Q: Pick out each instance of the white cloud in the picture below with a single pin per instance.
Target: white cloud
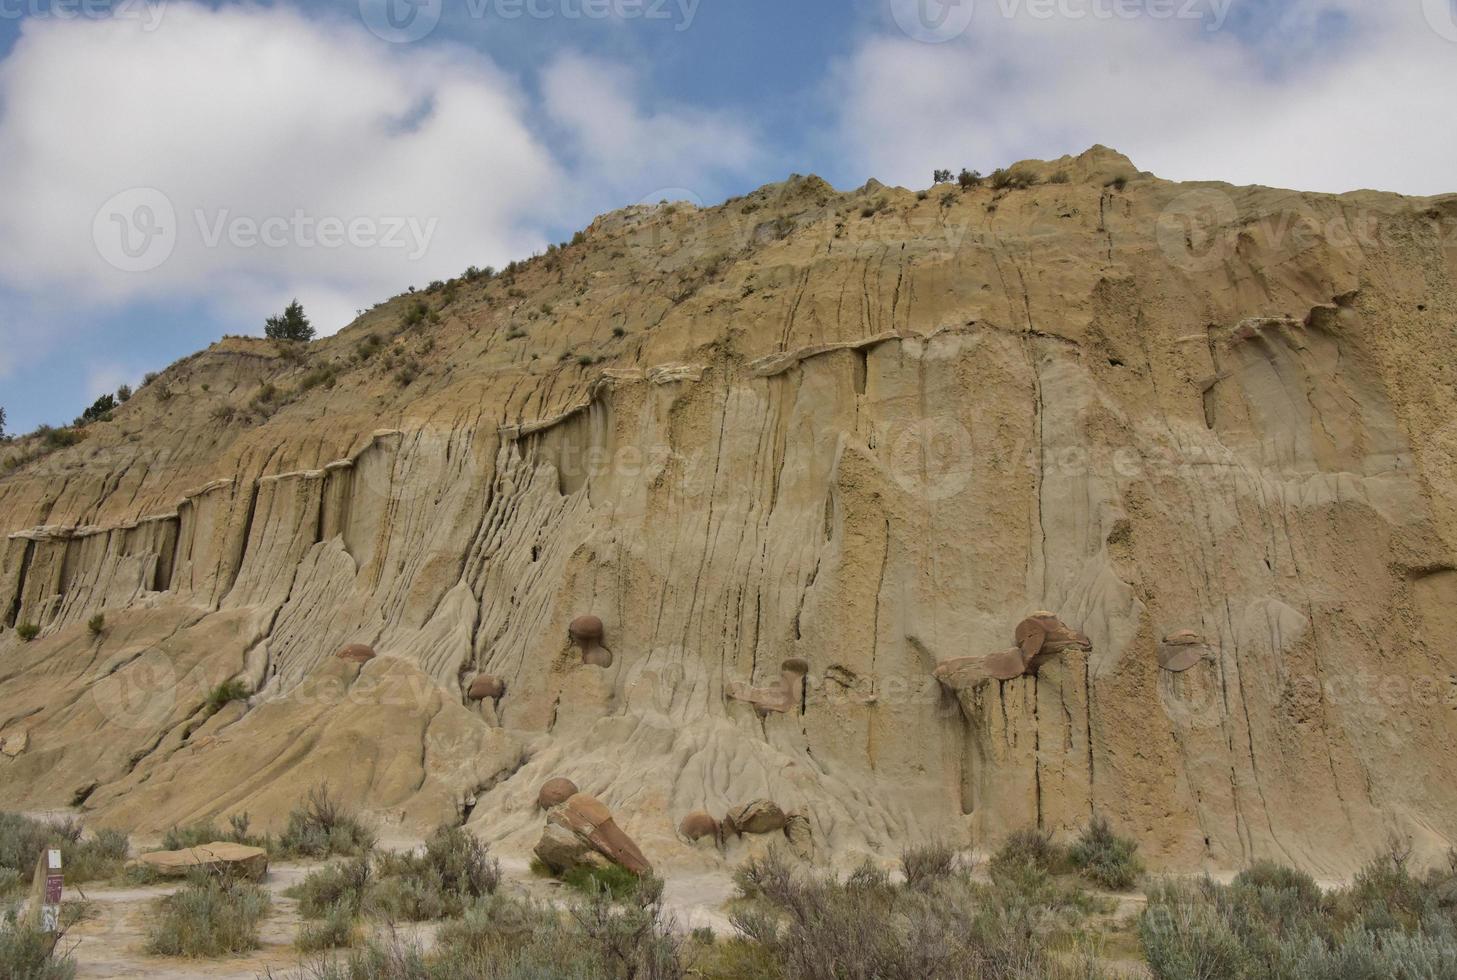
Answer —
(260, 155)
(635, 153)
(105, 378)
(1295, 109)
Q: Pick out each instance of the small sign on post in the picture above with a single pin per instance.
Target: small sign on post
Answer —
(45, 896)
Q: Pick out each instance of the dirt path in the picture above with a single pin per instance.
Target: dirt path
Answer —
(111, 945)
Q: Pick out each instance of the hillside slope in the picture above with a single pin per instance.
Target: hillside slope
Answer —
(872, 430)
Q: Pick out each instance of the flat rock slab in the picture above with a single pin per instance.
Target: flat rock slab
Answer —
(223, 857)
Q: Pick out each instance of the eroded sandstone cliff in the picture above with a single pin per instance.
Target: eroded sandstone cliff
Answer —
(871, 430)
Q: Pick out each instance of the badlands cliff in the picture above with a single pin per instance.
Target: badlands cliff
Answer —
(1210, 427)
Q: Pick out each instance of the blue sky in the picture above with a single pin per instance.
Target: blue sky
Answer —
(229, 142)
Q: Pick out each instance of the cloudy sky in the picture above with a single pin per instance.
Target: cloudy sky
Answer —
(174, 171)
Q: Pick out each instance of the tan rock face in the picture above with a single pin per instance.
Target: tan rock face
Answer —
(220, 857)
(872, 444)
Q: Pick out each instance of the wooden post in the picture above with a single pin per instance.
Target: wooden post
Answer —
(45, 892)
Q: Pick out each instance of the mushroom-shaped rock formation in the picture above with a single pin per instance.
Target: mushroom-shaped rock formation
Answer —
(486, 686)
(1043, 636)
(555, 791)
(697, 825)
(356, 653)
(1039, 638)
(587, 633)
(581, 827)
(783, 696)
(755, 817)
(1182, 650)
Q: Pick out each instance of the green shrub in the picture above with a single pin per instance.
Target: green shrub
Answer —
(1028, 847)
(333, 887)
(1012, 179)
(969, 179)
(27, 631)
(1277, 877)
(96, 624)
(928, 863)
(334, 931)
(59, 438)
(209, 916)
(225, 693)
(22, 840)
(203, 832)
(817, 928)
(325, 376)
(96, 858)
(415, 314)
(292, 324)
(454, 871)
(368, 347)
(614, 881)
(321, 827)
(1274, 922)
(1105, 858)
(206, 832)
(28, 954)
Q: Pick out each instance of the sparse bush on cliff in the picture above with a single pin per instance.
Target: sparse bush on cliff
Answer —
(27, 631)
(292, 324)
(228, 691)
(96, 625)
(415, 314)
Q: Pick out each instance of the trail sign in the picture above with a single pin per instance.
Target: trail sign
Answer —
(45, 896)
